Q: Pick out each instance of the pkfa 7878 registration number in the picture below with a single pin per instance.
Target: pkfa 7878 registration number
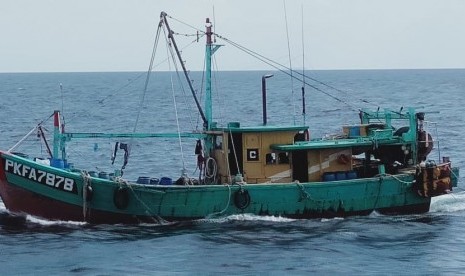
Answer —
(46, 178)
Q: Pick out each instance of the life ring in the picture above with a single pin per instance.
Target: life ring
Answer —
(242, 199)
(121, 197)
(343, 159)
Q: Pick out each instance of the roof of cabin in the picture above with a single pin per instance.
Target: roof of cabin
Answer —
(238, 129)
(336, 143)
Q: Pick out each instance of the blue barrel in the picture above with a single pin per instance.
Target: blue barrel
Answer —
(166, 181)
(341, 176)
(93, 174)
(351, 175)
(154, 181)
(329, 176)
(103, 175)
(143, 180)
(354, 131)
(57, 163)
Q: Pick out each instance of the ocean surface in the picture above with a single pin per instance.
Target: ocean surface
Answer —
(427, 244)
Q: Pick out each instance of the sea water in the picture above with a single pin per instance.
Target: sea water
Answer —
(431, 243)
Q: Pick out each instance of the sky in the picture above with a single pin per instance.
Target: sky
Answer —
(118, 35)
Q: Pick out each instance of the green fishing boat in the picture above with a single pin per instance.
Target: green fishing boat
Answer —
(262, 170)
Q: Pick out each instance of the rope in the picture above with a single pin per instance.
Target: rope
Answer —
(174, 60)
(214, 171)
(456, 176)
(175, 104)
(86, 182)
(379, 192)
(234, 150)
(226, 207)
(29, 133)
(122, 181)
(22, 139)
(304, 195)
(400, 180)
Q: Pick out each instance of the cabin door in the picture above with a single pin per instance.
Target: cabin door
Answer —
(235, 146)
(300, 166)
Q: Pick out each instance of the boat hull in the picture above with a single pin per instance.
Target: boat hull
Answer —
(114, 202)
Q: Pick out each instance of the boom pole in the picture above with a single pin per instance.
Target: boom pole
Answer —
(171, 37)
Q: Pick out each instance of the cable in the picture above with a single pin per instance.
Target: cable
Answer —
(175, 105)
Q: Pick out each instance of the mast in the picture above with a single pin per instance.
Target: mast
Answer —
(210, 49)
(208, 73)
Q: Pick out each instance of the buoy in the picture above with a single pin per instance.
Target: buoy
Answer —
(242, 199)
(121, 197)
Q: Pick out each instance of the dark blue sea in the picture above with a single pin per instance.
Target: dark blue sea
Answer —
(427, 244)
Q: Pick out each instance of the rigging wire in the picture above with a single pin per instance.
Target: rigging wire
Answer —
(168, 51)
(220, 100)
(290, 62)
(149, 71)
(281, 68)
(120, 89)
(201, 91)
(173, 59)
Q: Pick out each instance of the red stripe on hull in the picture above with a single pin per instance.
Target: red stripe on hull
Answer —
(20, 201)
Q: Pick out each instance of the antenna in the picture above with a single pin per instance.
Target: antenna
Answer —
(214, 26)
(62, 107)
(290, 61)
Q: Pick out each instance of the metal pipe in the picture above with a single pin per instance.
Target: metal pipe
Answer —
(264, 96)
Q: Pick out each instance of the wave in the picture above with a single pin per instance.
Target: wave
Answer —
(45, 222)
(448, 203)
(6, 216)
(247, 217)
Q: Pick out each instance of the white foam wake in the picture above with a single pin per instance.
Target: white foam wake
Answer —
(448, 203)
(248, 217)
(45, 222)
(2, 206)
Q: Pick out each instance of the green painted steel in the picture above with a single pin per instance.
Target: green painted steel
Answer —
(339, 143)
(280, 199)
(266, 128)
(76, 135)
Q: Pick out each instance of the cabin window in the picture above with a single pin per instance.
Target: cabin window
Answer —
(277, 158)
(271, 158)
